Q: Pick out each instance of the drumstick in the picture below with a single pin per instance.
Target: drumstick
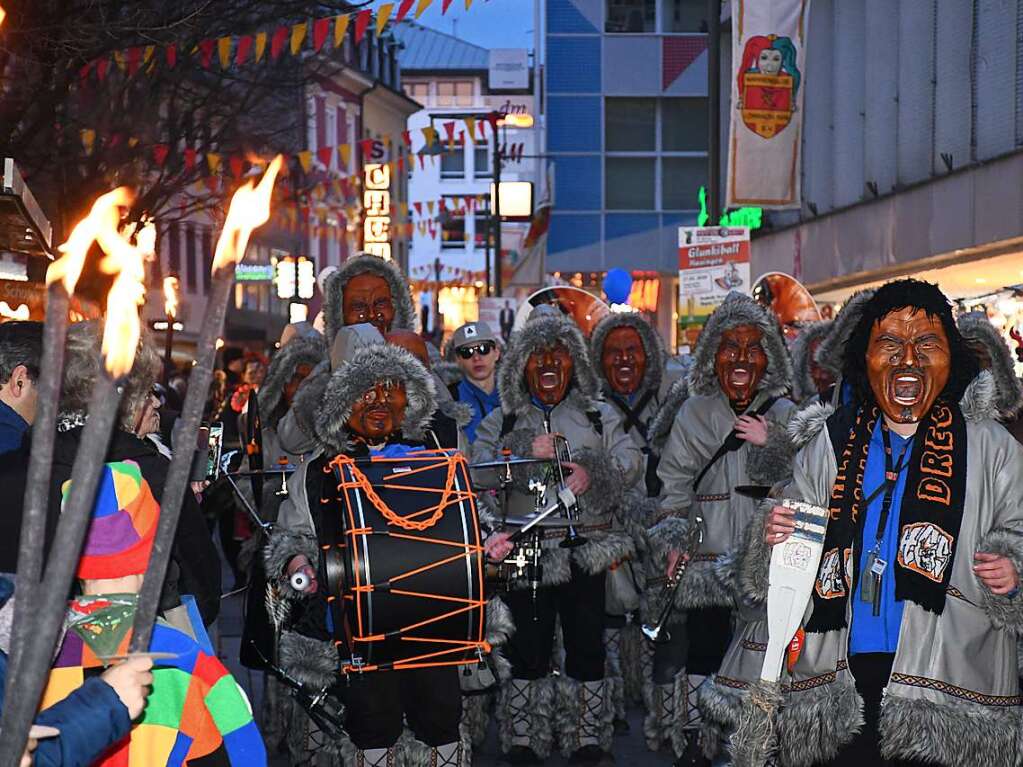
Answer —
(128, 656)
(42, 731)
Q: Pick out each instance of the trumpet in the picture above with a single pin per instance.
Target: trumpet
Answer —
(563, 454)
(658, 632)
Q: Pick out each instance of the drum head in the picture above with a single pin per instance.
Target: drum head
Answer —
(575, 303)
(414, 561)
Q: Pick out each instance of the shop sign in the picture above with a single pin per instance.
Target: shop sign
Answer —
(509, 69)
(376, 203)
(712, 262)
(254, 273)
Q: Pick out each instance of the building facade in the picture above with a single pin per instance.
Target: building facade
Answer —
(627, 132)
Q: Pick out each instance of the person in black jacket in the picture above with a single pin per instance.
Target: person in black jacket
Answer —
(195, 566)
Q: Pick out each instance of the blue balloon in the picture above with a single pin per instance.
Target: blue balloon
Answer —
(617, 286)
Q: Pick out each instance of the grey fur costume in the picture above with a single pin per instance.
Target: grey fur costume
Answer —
(832, 349)
(977, 328)
(333, 292)
(304, 350)
(652, 345)
(956, 700)
(699, 429)
(803, 387)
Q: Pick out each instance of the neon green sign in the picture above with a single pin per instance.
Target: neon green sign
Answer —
(751, 217)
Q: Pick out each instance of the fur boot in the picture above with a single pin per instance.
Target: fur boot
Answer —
(613, 673)
(525, 713)
(584, 715)
(665, 720)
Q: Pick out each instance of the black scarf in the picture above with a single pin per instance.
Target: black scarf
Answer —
(930, 515)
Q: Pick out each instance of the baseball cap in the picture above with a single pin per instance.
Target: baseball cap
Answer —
(472, 333)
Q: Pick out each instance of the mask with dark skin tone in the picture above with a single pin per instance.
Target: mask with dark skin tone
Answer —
(411, 342)
(740, 364)
(379, 412)
(301, 373)
(624, 360)
(367, 298)
(822, 379)
(548, 374)
(908, 363)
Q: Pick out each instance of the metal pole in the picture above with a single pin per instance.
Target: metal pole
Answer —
(486, 254)
(714, 206)
(497, 215)
(168, 350)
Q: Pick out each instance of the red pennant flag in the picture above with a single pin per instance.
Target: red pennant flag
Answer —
(449, 128)
(321, 28)
(237, 163)
(367, 147)
(244, 46)
(83, 73)
(493, 119)
(442, 205)
(422, 162)
(406, 136)
(190, 155)
(277, 42)
(419, 208)
(160, 152)
(325, 153)
(114, 141)
(212, 183)
(134, 59)
(102, 65)
(445, 6)
(206, 52)
(403, 9)
(361, 23)
(171, 53)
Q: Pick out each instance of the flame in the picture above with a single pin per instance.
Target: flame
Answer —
(250, 207)
(3, 14)
(104, 214)
(126, 260)
(170, 296)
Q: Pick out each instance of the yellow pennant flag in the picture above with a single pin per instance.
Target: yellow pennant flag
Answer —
(345, 153)
(468, 4)
(133, 141)
(340, 29)
(383, 15)
(148, 60)
(429, 135)
(429, 206)
(224, 51)
(213, 162)
(88, 139)
(305, 159)
(470, 124)
(119, 60)
(423, 5)
(297, 37)
(260, 46)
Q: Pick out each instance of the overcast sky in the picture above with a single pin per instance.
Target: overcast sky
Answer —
(488, 23)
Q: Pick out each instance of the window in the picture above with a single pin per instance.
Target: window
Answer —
(631, 16)
(452, 225)
(683, 15)
(481, 220)
(452, 164)
(454, 93)
(630, 125)
(629, 183)
(681, 179)
(481, 162)
(418, 91)
(174, 248)
(684, 126)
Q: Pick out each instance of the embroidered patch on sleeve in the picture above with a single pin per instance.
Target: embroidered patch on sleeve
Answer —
(925, 549)
(831, 577)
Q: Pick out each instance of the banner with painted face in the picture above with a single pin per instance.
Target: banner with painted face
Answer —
(768, 70)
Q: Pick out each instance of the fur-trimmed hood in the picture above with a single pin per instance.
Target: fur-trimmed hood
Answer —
(357, 375)
(738, 309)
(542, 332)
(333, 293)
(831, 352)
(301, 350)
(652, 345)
(977, 328)
(802, 383)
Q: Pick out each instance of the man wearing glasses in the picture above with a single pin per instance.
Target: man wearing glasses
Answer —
(477, 353)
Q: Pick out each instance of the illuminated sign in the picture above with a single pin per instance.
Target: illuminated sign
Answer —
(751, 217)
(295, 277)
(254, 273)
(376, 203)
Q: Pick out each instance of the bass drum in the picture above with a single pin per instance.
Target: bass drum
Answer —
(409, 567)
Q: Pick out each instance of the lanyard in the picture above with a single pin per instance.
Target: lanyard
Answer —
(891, 478)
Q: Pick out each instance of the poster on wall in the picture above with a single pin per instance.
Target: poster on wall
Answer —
(769, 69)
(499, 314)
(712, 262)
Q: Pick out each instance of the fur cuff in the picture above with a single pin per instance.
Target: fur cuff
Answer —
(607, 482)
(755, 558)
(943, 733)
(773, 462)
(499, 628)
(1005, 612)
(602, 551)
(814, 725)
(282, 546)
(312, 662)
(520, 442)
(488, 512)
(670, 533)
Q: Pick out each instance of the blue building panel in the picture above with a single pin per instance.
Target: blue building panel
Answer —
(623, 224)
(565, 16)
(574, 243)
(573, 123)
(578, 182)
(573, 65)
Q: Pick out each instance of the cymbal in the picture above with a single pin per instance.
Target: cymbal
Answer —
(500, 463)
(551, 521)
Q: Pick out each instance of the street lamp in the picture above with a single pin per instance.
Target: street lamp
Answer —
(170, 309)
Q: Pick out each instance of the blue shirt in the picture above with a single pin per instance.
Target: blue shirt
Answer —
(869, 632)
(480, 402)
(12, 428)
